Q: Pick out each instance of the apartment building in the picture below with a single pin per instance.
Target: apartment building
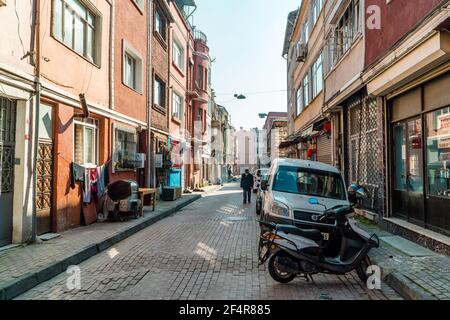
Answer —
(408, 73)
(180, 31)
(276, 129)
(309, 126)
(385, 75)
(17, 122)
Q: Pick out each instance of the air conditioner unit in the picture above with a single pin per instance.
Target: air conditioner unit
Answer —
(302, 52)
(2, 3)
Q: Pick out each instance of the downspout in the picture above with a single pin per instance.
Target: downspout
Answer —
(37, 83)
(149, 149)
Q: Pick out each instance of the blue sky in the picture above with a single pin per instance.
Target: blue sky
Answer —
(246, 39)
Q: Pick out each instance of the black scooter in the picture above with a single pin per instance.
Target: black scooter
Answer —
(293, 252)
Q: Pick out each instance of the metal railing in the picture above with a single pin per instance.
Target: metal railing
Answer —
(200, 36)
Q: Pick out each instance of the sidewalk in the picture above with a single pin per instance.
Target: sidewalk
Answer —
(413, 271)
(23, 267)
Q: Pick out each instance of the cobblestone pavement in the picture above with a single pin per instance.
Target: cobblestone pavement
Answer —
(208, 250)
(23, 260)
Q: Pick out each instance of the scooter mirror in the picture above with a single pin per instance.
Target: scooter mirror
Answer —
(361, 192)
(313, 201)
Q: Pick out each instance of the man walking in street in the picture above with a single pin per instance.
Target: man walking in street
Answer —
(247, 185)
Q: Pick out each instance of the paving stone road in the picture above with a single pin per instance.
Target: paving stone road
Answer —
(208, 250)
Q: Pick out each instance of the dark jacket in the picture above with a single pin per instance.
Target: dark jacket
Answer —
(246, 181)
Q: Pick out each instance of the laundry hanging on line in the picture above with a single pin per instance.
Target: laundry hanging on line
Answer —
(94, 180)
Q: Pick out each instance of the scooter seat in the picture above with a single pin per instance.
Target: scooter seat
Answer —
(312, 234)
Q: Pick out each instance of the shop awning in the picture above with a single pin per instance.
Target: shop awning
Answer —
(291, 140)
(323, 124)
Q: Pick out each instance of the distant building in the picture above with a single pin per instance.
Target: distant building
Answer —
(276, 133)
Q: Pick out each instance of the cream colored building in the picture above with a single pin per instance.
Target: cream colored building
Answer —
(17, 122)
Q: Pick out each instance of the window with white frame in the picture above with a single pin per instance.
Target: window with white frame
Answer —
(132, 68)
(317, 76)
(75, 25)
(177, 106)
(178, 54)
(305, 91)
(299, 101)
(86, 141)
(125, 148)
(159, 93)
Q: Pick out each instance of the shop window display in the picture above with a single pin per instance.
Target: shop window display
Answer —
(438, 152)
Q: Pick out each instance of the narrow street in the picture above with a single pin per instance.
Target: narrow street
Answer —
(208, 250)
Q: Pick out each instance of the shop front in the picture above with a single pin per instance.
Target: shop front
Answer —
(420, 154)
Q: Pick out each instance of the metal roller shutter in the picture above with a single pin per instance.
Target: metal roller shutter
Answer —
(324, 148)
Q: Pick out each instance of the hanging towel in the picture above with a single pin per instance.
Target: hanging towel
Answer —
(101, 181)
(94, 179)
(77, 174)
(87, 186)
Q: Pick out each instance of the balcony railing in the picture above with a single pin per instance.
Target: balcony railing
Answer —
(200, 36)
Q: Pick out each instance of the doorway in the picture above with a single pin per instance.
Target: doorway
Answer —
(408, 200)
(7, 151)
(44, 170)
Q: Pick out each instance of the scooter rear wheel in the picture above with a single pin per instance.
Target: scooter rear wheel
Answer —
(278, 275)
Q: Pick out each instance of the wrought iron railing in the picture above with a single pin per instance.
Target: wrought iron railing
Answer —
(200, 36)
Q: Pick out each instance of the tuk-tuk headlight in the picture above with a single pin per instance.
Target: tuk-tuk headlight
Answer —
(280, 209)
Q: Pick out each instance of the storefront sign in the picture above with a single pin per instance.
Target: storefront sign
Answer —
(158, 160)
(443, 124)
(444, 156)
(444, 142)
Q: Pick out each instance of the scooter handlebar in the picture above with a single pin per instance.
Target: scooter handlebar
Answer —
(267, 224)
(336, 211)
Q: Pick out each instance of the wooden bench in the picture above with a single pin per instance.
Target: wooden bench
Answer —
(144, 192)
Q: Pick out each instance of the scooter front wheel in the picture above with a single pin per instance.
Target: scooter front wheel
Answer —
(276, 273)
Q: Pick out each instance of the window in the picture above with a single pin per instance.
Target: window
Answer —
(305, 35)
(139, 3)
(305, 91)
(177, 106)
(75, 25)
(309, 182)
(347, 30)
(130, 71)
(317, 76)
(85, 142)
(132, 68)
(178, 55)
(316, 8)
(200, 82)
(159, 93)
(299, 102)
(125, 149)
(438, 153)
(160, 23)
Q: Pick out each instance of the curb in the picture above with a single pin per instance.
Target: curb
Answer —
(29, 281)
(406, 288)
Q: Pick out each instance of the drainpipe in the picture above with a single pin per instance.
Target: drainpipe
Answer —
(35, 135)
(149, 95)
